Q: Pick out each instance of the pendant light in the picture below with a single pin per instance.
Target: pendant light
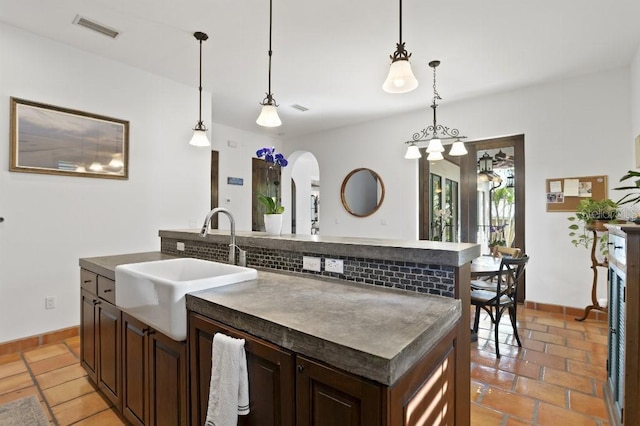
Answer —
(200, 131)
(269, 115)
(433, 135)
(400, 78)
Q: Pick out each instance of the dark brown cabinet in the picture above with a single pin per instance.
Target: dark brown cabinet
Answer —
(100, 334)
(286, 388)
(270, 370)
(154, 376)
(325, 396)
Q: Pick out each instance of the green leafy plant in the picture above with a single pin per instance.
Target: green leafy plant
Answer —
(632, 197)
(587, 212)
(271, 204)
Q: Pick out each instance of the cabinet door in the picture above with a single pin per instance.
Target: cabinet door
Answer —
(88, 334)
(615, 364)
(108, 375)
(326, 396)
(134, 370)
(270, 369)
(167, 380)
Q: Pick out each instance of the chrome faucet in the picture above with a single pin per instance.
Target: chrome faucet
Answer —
(233, 246)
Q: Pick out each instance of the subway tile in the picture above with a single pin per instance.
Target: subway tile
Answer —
(568, 380)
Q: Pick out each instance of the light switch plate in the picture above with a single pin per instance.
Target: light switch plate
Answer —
(334, 265)
(311, 263)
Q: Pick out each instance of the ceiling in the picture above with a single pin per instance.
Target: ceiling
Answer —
(331, 56)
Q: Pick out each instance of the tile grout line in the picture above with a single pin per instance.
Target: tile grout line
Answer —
(40, 391)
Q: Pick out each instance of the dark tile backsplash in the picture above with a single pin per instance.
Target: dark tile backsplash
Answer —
(410, 276)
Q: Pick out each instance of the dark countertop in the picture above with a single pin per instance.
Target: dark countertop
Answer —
(374, 332)
(106, 265)
(419, 251)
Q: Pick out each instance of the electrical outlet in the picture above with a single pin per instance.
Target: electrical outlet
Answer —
(50, 302)
(334, 265)
(180, 246)
(311, 263)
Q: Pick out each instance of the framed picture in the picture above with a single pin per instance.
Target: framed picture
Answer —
(55, 140)
(637, 151)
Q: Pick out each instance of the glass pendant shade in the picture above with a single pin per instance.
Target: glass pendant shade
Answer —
(457, 149)
(95, 167)
(400, 78)
(413, 152)
(435, 156)
(199, 138)
(269, 116)
(435, 145)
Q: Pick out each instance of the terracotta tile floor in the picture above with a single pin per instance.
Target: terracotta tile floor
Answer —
(556, 378)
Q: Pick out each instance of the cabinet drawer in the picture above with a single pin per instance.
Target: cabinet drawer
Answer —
(88, 281)
(107, 289)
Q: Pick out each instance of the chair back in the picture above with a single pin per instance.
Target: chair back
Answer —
(508, 251)
(511, 269)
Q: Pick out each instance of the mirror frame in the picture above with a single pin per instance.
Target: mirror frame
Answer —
(344, 185)
(69, 126)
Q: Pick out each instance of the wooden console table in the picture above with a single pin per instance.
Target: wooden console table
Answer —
(595, 264)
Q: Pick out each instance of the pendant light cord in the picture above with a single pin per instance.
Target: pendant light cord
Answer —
(400, 15)
(270, 51)
(200, 89)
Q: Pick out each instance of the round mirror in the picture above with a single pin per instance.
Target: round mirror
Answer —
(362, 192)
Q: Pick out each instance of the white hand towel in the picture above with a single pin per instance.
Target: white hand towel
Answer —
(229, 388)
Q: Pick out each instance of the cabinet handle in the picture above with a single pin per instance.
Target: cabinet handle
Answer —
(300, 368)
(617, 247)
(87, 281)
(148, 331)
(613, 331)
(107, 290)
(96, 302)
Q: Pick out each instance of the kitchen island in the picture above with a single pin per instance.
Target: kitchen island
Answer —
(322, 347)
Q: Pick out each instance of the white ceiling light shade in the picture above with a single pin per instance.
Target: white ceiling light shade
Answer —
(458, 149)
(413, 152)
(269, 114)
(199, 137)
(433, 135)
(435, 156)
(400, 78)
(435, 145)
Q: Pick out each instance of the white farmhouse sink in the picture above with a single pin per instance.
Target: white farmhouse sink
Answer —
(154, 292)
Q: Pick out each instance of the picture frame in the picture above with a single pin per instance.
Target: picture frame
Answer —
(637, 147)
(49, 139)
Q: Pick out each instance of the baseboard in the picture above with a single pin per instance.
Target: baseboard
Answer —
(32, 342)
(566, 310)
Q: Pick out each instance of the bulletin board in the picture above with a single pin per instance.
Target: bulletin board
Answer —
(564, 194)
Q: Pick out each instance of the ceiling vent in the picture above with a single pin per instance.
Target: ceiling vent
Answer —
(300, 107)
(93, 25)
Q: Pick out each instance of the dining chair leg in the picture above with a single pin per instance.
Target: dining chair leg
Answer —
(512, 316)
(495, 330)
(476, 320)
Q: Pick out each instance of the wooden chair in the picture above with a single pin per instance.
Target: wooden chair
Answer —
(508, 251)
(503, 296)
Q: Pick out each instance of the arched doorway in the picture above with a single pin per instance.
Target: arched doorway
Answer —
(304, 172)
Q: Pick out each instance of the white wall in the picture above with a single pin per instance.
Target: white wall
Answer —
(51, 221)
(577, 127)
(237, 148)
(634, 72)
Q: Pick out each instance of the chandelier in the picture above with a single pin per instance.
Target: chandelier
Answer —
(433, 135)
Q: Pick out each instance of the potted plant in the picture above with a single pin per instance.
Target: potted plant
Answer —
(590, 215)
(631, 198)
(273, 208)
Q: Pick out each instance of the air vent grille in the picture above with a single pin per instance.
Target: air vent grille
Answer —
(300, 107)
(93, 25)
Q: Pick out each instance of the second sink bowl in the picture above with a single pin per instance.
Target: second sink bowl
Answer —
(154, 292)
